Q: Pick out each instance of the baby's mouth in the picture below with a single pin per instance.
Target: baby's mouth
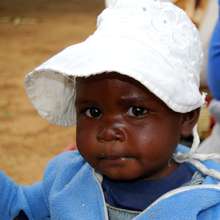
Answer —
(115, 157)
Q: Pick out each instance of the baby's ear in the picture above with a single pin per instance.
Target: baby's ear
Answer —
(189, 120)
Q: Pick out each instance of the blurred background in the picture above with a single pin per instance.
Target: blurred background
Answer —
(30, 33)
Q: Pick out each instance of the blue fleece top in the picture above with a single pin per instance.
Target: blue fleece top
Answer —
(70, 190)
(214, 62)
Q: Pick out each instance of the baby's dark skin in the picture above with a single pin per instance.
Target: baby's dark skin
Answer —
(124, 131)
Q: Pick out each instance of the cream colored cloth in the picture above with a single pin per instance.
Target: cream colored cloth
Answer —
(206, 29)
(212, 143)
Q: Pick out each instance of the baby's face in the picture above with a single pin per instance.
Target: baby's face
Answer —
(123, 130)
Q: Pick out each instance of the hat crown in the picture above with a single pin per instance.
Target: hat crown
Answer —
(157, 24)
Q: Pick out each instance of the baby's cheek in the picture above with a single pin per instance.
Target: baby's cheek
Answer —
(142, 138)
(86, 142)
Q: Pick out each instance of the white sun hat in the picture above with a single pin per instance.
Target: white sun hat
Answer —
(151, 41)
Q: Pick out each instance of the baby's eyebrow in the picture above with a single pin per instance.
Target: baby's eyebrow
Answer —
(84, 102)
(131, 99)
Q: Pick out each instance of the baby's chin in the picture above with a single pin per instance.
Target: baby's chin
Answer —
(126, 176)
(135, 174)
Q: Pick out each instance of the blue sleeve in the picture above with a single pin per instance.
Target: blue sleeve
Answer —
(214, 62)
(32, 200)
(15, 198)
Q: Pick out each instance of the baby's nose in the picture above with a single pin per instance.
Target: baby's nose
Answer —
(111, 133)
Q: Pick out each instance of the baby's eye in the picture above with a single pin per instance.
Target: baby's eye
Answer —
(93, 112)
(136, 111)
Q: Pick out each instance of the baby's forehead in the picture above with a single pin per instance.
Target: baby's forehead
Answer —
(113, 84)
(110, 81)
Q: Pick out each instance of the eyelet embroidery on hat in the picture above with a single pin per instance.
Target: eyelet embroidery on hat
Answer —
(170, 33)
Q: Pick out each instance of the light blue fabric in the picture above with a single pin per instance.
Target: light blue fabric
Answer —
(70, 191)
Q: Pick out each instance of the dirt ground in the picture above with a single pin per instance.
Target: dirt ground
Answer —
(31, 32)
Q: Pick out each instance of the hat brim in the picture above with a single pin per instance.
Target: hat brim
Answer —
(50, 87)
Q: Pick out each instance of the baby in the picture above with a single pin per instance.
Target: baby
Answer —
(132, 89)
